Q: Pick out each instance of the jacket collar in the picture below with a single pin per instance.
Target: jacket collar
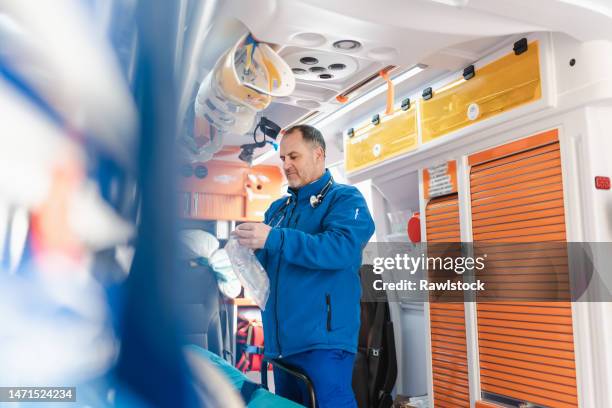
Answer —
(314, 188)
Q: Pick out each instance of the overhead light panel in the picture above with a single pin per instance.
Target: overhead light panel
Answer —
(321, 123)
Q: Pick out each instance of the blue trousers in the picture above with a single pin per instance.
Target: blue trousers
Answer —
(331, 372)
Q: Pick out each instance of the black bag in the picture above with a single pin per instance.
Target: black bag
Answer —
(375, 369)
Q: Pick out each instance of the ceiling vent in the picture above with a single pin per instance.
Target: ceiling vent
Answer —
(313, 65)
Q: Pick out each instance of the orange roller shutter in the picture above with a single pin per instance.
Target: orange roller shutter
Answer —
(526, 349)
(447, 320)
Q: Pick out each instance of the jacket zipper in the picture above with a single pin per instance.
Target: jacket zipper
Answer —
(292, 211)
(278, 344)
(329, 311)
(280, 350)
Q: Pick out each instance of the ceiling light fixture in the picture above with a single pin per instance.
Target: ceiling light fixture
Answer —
(347, 45)
(322, 122)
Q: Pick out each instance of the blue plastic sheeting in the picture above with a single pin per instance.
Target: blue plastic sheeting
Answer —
(260, 398)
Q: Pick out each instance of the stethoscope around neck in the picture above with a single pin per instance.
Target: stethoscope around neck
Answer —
(315, 201)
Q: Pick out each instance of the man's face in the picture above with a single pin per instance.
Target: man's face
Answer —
(303, 162)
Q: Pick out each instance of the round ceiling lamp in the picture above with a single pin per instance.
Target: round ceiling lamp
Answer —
(347, 45)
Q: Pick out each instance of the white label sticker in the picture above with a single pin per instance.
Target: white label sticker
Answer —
(440, 182)
(376, 150)
(438, 169)
(473, 111)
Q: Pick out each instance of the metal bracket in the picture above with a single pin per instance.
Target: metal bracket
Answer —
(376, 119)
(406, 104)
(520, 46)
(469, 73)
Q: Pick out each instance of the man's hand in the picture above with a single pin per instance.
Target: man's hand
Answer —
(252, 234)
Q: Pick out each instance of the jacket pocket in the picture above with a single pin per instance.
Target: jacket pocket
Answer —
(328, 306)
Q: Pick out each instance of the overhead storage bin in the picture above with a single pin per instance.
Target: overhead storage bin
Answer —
(373, 143)
(483, 92)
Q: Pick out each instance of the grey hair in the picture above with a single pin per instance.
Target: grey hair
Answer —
(309, 134)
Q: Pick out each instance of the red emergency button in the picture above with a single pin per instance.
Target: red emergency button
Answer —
(602, 183)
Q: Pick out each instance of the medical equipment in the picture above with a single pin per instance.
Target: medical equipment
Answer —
(242, 83)
(315, 200)
(267, 128)
(250, 272)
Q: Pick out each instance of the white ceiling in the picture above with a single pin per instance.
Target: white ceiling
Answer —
(404, 33)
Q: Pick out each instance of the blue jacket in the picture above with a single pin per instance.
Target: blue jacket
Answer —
(312, 256)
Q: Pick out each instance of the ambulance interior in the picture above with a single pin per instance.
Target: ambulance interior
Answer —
(145, 131)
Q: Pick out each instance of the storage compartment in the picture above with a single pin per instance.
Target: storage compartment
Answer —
(371, 144)
(497, 87)
(526, 348)
(398, 202)
(447, 320)
(394, 200)
(219, 190)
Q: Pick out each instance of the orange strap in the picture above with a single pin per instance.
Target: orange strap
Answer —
(390, 91)
(342, 98)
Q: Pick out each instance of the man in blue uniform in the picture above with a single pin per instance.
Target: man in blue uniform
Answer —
(310, 244)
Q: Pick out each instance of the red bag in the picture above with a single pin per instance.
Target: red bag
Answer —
(250, 339)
